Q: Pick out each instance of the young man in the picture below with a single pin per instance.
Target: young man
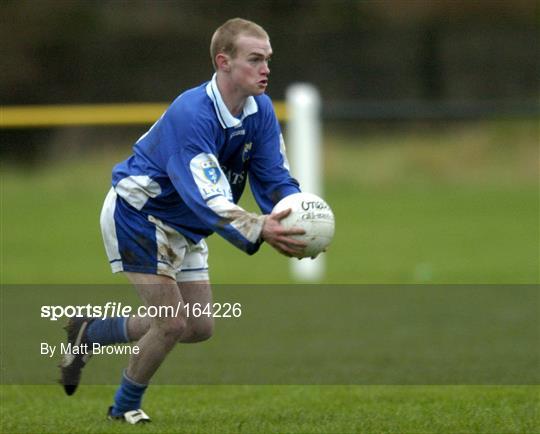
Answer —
(180, 185)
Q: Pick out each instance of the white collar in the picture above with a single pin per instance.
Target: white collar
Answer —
(226, 119)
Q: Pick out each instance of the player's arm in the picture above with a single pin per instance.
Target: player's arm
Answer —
(269, 172)
(271, 181)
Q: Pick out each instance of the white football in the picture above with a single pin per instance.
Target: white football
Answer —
(311, 213)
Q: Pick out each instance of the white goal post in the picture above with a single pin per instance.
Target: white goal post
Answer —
(304, 145)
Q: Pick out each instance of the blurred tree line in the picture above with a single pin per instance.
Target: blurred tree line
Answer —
(84, 51)
(140, 50)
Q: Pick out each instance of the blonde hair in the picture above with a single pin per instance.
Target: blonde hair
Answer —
(224, 38)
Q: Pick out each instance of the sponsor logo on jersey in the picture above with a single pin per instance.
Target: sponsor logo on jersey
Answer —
(234, 178)
(241, 132)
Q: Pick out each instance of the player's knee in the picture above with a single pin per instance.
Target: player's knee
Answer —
(199, 331)
(172, 328)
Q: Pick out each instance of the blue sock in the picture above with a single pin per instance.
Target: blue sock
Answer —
(128, 396)
(108, 331)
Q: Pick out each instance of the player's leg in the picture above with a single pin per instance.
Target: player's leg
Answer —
(163, 333)
(150, 253)
(84, 332)
(194, 283)
(197, 328)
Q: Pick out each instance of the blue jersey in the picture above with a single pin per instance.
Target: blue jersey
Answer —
(190, 169)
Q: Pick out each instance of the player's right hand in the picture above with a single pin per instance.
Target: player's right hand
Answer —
(280, 238)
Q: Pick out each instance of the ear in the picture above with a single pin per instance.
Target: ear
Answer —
(223, 62)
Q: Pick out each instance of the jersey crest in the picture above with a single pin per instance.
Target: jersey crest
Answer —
(211, 171)
(246, 151)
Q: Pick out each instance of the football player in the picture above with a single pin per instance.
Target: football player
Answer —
(181, 184)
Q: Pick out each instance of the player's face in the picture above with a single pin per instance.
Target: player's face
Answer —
(249, 68)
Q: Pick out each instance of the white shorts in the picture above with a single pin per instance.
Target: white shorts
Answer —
(137, 242)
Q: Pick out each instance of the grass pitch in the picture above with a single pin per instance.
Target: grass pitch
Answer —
(270, 409)
(452, 206)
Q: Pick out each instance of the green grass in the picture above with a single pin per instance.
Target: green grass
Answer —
(451, 207)
(269, 409)
(458, 205)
